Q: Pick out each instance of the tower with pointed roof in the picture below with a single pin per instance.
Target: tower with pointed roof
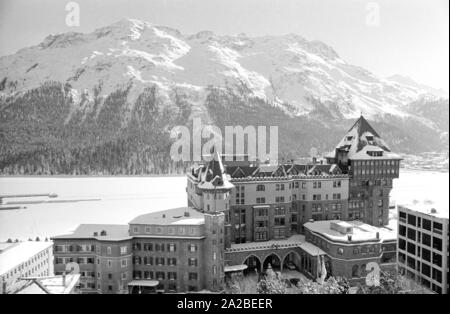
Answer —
(372, 166)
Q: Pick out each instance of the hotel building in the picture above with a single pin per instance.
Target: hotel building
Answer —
(243, 212)
(423, 245)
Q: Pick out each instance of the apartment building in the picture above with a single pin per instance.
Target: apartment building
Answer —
(21, 260)
(423, 244)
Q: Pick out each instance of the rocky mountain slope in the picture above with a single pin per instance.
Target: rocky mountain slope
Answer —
(105, 102)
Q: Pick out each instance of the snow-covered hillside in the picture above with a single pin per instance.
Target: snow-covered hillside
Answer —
(279, 69)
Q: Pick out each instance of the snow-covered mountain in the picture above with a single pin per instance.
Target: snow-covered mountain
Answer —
(283, 69)
(301, 78)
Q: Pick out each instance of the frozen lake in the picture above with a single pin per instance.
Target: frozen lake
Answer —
(117, 200)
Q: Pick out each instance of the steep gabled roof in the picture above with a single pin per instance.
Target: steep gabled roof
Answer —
(214, 176)
(360, 137)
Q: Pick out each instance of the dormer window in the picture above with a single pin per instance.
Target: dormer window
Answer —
(369, 138)
(349, 138)
(375, 154)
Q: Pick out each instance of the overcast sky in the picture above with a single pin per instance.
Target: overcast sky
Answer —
(409, 37)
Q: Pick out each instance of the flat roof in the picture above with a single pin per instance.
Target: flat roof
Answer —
(174, 216)
(437, 208)
(86, 231)
(361, 231)
(20, 253)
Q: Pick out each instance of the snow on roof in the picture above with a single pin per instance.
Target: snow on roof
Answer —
(438, 208)
(174, 216)
(52, 285)
(94, 231)
(362, 137)
(363, 154)
(189, 221)
(360, 231)
(20, 253)
(311, 249)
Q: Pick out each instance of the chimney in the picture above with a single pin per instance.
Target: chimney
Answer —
(64, 279)
(349, 238)
(378, 235)
(95, 234)
(164, 216)
(186, 214)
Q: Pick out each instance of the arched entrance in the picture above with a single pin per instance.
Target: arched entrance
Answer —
(292, 261)
(274, 261)
(253, 265)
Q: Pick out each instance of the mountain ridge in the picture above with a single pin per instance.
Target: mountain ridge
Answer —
(120, 81)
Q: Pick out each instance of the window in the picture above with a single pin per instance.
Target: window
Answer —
(260, 187)
(109, 263)
(193, 276)
(437, 227)
(171, 247)
(123, 263)
(192, 248)
(160, 275)
(123, 250)
(427, 224)
(261, 223)
(261, 236)
(355, 271)
(437, 244)
(279, 221)
(172, 275)
(411, 234)
(260, 200)
(279, 199)
(108, 250)
(192, 262)
(124, 276)
(426, 239)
